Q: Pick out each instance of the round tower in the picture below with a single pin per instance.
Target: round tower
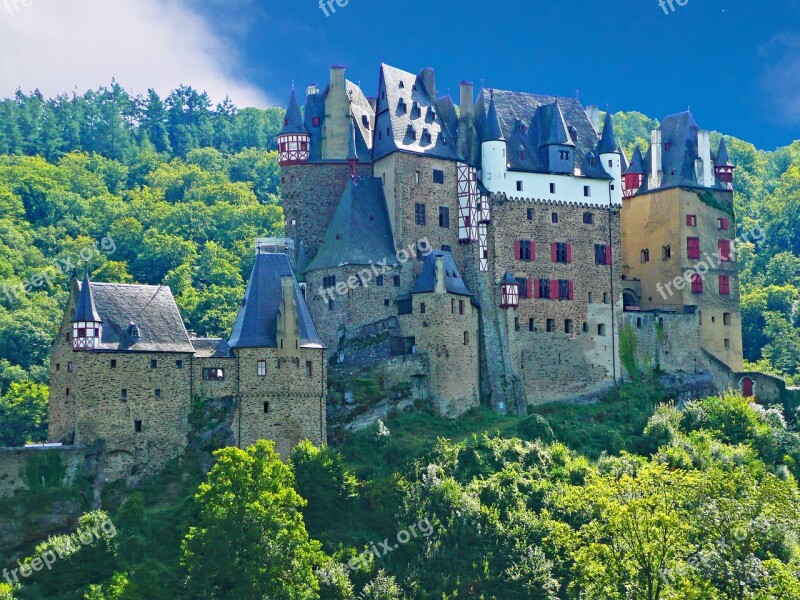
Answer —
(611, 159)
(293, 139)
(724, 167)
(493, 150)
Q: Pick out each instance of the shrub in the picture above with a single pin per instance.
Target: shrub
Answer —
(536, 427)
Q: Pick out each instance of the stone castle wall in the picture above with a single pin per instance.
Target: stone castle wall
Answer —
(40, 468)
(669, 342)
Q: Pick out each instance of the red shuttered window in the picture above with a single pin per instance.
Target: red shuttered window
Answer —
(725, 250)
(697, 284)
(724, 285)
(554, 289)
(693, 247)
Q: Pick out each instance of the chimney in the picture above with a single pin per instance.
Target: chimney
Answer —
(656, 163)
(705, 169)
(337, 77)
(593, 112)
(467, 96)
(312, 90)
(440, 288)
(429, 81)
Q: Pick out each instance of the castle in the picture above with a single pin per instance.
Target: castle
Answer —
(502, 249)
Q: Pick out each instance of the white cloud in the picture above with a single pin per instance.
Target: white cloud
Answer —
(63, 45)
(781, 78)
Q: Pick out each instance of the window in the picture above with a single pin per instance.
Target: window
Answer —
(315, 121)
(331, 306)
(724, 250)
(438, 176)
(416, 177)
(178, 364)
(554, 217)
(565, 289)
(727, 344)
(452, 306)
(605, 297)
(213, 374)
(568, 326)
(66, 392)
(530, 214)
(585, 328)
(666, 252)
(588, 218)
(461, 307)
(446, 248)
(552, 188)
(601, 329)
(561, 252)
(544, 288)
(379, 281)
(726, 319)
(58, 366)
(691, 220)
(309, 368)
(551, 325)
(154, 364)
(591, 298)
(123, 394)
(396, 281)
(158, 393)
(697, 284)
(444, 217)
(519, 186)
(137, 426)
(524, 287)
(564, 154)
(724, 285)
(723, 224)
(638, 322)
(693, 247)
(587, 191)
(329, 281)
(262, 368)
(266, 408)
(69, 367)
(422, 308)
(602, 254)
(419, 214)
(516, 323)
(645, 256)
(466, 338)
(531, 326)
(404, 307)
(525, 250)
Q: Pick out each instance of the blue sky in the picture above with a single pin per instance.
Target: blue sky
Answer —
(736, 63)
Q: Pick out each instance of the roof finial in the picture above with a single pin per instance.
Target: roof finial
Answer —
(292, 83)
(577, 94)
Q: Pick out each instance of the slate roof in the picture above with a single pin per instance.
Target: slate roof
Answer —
(257, 321)
(624, 162)
(85, 309)
(361, 110)
(637, 163)
(723, 159)
(508, 278)
(679, 152)
(404, 106)
(608, 142)
(492, 131)
(551, 126)
(454, 283)
(151, 307)
(359, 232)
(293, 121)
(211, 348)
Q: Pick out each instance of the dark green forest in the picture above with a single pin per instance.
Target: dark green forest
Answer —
(628, 499)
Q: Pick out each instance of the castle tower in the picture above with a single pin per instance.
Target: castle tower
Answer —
(493, 149)
(724, 167)
(293, 139)
(634, 175)
(87, 327)
(611, 159)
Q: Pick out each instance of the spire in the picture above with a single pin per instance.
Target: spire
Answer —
(723, 159)
(293, 121)
(625, 164)
(492, 131)
(558, 134)
(637, 163)
(85, 309)
(608, 143)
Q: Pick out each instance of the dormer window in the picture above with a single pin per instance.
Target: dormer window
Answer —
(415, 111)
(523, 129)
(667, 146)
(401, 85)
(402, 108)
(133, 331)
(315, 121)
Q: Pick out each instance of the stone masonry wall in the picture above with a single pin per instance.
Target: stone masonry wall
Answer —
(34, 468)
(580, 353)
(454, 357)
(287, 405)
(667, 341)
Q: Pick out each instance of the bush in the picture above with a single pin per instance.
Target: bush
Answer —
(536, 427)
